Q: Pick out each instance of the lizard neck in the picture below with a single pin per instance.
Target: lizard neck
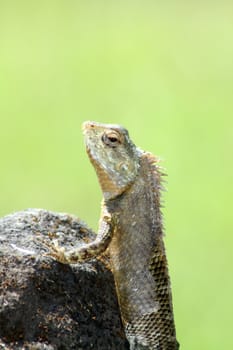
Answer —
(140, 201)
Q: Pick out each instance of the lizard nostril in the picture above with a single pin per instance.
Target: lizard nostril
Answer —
(87, 125)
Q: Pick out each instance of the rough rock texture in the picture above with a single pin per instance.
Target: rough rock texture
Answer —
(47, 305)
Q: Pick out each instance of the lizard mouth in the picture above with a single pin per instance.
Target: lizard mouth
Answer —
(90, 131)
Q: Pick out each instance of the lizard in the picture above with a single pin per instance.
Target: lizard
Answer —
(131, 230)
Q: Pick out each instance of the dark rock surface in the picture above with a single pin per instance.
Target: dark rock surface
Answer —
(47, 305)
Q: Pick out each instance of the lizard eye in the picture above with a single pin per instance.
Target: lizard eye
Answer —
(111, 139)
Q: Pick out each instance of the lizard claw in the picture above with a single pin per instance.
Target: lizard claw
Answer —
(55, 251)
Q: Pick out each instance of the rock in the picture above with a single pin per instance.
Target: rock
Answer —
(47, 305)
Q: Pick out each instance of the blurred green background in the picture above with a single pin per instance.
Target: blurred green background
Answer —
(164, 70)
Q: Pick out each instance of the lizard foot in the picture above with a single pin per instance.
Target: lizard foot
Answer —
(55, 251)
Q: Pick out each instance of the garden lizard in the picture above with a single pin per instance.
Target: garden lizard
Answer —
(131, 229)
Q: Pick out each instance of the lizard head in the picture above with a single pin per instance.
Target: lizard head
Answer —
(113, 155)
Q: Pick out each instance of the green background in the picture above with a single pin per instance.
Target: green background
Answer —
(164, 70)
